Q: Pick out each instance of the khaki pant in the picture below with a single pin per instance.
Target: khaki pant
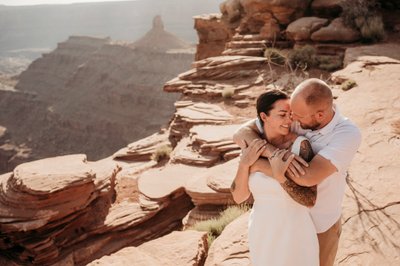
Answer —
(328, 244)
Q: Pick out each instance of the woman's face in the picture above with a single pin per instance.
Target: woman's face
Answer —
(279, 119)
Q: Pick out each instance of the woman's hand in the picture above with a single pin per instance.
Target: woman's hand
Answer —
(279, 165)
(252, 152)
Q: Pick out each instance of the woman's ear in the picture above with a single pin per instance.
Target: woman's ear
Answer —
(263, 117)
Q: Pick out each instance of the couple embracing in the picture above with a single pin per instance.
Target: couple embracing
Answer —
(294, 160)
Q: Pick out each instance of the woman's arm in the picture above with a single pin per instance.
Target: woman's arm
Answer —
(303, 195)
(240, 185)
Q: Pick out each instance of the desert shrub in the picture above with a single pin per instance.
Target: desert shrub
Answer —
(304, 57)
(329, 63)
(275, 56)
(215, 226)
(361, 15)
(348, 84)
(161, 153)
(228, 92)
(372, 30)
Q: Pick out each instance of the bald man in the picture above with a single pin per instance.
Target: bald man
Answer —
(334, 139)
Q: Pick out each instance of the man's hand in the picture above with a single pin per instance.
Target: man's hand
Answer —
(279, 165)
(252, 152)
(296, 167)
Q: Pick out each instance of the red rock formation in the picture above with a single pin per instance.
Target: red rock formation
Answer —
(90, 90)
(213, 34)
(184, 248)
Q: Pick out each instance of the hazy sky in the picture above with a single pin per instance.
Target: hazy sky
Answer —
(40, 2)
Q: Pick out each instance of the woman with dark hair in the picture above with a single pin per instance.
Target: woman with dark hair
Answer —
(281, 231)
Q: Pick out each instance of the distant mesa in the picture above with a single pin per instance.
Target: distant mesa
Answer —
(159, 40)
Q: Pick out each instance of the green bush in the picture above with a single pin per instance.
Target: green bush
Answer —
(228, 92)
(348, 84)
(275, 56)
(215, 226)
(304, 57)
(361, 15)
(161, 153)
(329, 62)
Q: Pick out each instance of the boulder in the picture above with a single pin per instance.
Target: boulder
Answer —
(336, 31)
(301, 29)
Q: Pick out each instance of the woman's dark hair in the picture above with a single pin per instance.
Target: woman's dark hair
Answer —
(266, 101)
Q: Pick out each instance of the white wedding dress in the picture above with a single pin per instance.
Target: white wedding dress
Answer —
(281, 232)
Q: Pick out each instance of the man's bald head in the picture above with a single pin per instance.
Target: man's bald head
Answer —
(314, 92)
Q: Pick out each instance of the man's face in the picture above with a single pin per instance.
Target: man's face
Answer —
(305, 115)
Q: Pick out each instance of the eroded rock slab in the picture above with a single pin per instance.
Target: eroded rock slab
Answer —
(231, 247)
(177, 248)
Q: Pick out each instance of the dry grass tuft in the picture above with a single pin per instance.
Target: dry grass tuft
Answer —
(215, 226)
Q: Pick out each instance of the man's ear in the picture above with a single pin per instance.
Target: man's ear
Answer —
(320, 115)
(263, 117)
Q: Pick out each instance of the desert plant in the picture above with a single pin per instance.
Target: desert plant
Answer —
(348, 84)
(215, 226)
(274, 56)
(361, 15)
(304, 57)
(372, 30)
(228, 92)
(162, 152)
(329, 62)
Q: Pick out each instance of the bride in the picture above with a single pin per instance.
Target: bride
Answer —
(281, 232)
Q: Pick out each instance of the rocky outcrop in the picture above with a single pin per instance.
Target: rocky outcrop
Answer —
(231, 247)
(70, 203)
(206, 145)
(73, 189)
(90, 90)
(143, 149)
(181, 251)
(212, 33)
(210, 192)
(159, 40)
(191, 113)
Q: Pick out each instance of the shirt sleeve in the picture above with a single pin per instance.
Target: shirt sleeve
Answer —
(342, 148)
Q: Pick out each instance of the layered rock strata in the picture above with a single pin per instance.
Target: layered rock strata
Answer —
(184, 248)
(90, 90)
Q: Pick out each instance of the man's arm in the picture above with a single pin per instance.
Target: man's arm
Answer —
(249, 132)
(319, 168)
(336, 156)
(306, 196)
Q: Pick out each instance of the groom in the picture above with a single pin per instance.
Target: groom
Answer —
(334, 140)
